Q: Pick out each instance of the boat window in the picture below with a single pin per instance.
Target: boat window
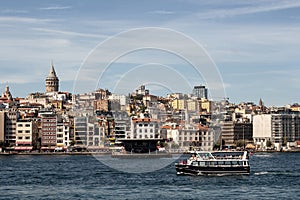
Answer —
(234, 163)
(240, 162)
(227, 163)
(202, 163)
(221, 163)
(212, 163)
(195, 163)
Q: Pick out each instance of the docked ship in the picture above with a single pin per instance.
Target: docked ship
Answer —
(215, 163)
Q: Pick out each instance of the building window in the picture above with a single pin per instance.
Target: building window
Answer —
(27, 138)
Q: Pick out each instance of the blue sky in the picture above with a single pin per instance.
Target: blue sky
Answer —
(254, 44)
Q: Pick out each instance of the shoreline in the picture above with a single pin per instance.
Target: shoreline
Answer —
(114, 155)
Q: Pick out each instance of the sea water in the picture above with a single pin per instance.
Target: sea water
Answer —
(273, 176)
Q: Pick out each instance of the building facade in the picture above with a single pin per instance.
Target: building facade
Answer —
(143, 128)
(200, 92)
(26, 135)
(233, 132)
(275, 130)
(10, 121)
(49, 126)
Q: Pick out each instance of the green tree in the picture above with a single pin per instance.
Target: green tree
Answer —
(269, 143)
(240, 143)
(72, 143)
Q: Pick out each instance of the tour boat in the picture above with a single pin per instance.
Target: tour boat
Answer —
(215, 163)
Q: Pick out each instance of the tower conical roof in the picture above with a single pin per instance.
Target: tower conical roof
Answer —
(52, 73)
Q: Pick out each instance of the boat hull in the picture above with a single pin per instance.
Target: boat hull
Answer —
(183, 169)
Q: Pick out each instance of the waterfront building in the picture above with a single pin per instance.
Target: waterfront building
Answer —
(52, 81)
(234, 132)
(200, 92)
(87, 133)
(275, 130)
(2, 128)
(63, 134)
(122, 124)
(49, 126)
(10, 120)
(196, 137)
(80, 131)
(143, 128)
(144, 135)
(26, 134)
(170, 132)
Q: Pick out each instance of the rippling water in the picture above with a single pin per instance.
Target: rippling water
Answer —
(273, 176)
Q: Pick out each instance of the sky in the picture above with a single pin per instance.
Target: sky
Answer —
(251, 48)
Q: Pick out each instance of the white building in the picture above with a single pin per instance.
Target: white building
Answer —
(279, 129)
(63, 134)
(26, 134)
(143, 128)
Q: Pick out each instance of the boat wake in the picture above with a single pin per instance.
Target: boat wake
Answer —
(261, 173)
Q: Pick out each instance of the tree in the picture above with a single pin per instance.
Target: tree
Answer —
(240, 143)
(72, 143)
(269, 143)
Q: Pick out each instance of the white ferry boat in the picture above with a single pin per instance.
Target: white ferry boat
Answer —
(215, 163)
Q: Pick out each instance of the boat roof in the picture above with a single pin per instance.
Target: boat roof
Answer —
(219, 152)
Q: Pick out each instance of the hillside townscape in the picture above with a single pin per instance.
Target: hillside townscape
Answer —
(101, 121)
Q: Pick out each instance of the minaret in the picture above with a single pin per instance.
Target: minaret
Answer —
(52, 82)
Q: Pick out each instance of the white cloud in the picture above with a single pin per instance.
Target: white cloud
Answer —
(257, 7)
(69, 33)
(15, 19)
(56, 8)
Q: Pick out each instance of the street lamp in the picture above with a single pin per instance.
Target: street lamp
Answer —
(243, 135)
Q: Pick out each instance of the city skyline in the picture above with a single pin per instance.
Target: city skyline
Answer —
(253, 44)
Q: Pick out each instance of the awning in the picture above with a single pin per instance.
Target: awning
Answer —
(23, 148)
